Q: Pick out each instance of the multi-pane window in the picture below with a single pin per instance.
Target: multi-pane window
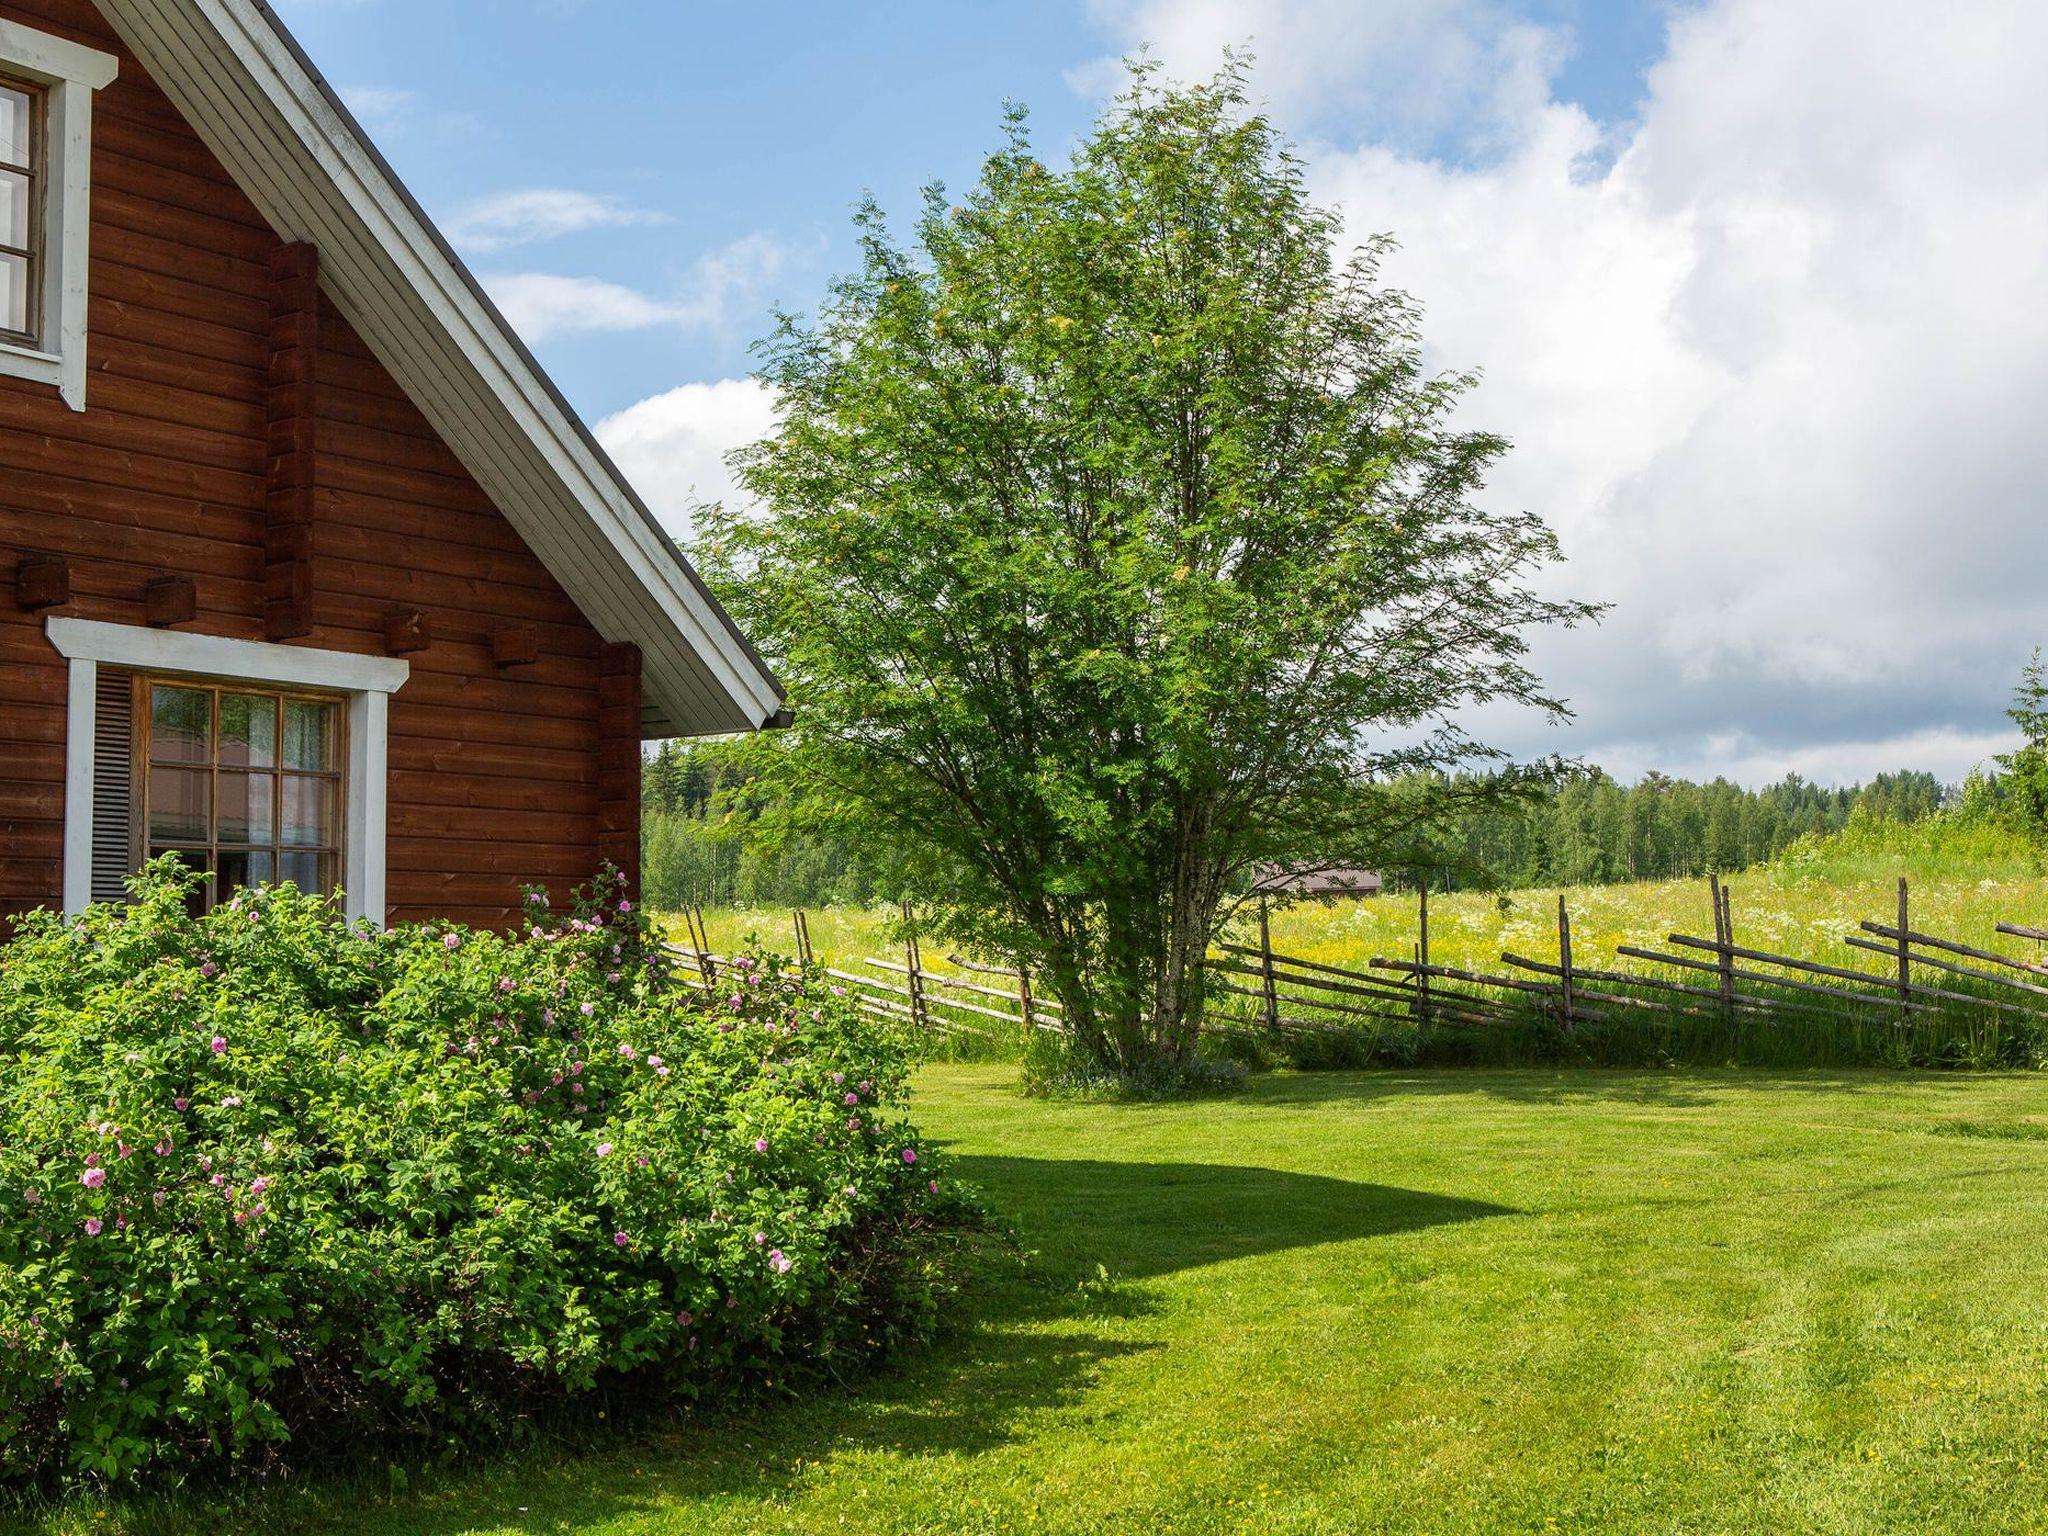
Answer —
(21, 211)
(245, 785)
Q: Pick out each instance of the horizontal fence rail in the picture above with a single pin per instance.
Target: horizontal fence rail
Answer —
(1255, 989)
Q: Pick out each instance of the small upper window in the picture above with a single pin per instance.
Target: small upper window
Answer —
(46, 91)
(22, 163)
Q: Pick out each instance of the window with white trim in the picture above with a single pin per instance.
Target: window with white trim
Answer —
(46, 90)
(254, 762)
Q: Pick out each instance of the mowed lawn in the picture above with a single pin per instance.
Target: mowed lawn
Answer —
(1447, 1302)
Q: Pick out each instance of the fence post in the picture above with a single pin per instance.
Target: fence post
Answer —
(1024, 1000)
(1724, 937)
(1422, 955)
(700, 940)
(803, 940)
(1905, 952)
(913, 961)
(1564, 960)
(1272, 994)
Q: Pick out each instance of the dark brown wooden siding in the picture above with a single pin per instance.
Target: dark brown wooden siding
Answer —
(494, 772)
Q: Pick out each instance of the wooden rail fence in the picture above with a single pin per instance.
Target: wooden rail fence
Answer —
(1256, 988)
(944, 1002)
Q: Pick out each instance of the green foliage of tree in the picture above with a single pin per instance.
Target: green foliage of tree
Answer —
(1114, 539)
(2026, 768)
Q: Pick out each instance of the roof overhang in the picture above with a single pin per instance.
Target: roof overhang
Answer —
(250, 92)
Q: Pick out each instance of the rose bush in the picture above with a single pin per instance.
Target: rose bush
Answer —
(265, 1177)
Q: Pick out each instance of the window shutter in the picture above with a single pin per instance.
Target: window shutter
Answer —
(113, 784)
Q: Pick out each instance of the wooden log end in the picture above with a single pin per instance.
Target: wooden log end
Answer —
(407, 632)
(42, 581)
(517, 646)
(170, 600)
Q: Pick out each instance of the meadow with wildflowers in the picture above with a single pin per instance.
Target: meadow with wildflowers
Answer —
(272, 1188)
(1964, 880)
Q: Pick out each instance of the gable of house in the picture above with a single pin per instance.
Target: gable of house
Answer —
(249, 493)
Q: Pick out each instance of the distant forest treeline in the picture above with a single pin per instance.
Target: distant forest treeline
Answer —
(700, 824)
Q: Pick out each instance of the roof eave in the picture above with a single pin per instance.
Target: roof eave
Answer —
(299, 154)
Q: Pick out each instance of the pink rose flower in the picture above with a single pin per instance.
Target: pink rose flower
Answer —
(453, 941)
(909, 1154)
(93, 1178)
(761, 1144)
(220, 1045)
(619, 1239)
(92, 1226)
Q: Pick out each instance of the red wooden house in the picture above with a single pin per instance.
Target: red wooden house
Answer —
(306, 570)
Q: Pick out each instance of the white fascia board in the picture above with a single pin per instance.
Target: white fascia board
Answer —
(244, 661)
(306, 164)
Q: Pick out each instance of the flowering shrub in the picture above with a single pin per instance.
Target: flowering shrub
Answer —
(264, 1176)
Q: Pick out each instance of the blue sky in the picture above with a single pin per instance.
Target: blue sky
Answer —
(724, 123)
(1755, 285)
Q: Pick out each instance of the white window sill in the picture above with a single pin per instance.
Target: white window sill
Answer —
(19, 362)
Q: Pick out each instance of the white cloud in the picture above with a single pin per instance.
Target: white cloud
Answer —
(545, 305)
(1774, 357)
(672, 447)
(508, 219)
(379, 108)
(1399, 71)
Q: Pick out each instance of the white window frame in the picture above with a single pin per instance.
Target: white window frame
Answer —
(69, 74)
(367, 682)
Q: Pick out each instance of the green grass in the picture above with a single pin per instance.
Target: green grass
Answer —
(1690, 1302)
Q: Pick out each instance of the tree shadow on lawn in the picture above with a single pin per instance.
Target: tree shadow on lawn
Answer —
(1033, 1338)
(1140, 1221)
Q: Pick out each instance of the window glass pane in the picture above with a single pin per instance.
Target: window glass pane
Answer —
(309, 812)
(13, 209)
(310, 872)
(181, 725)
(309, 734)
(248, 807)
(246, 867)
(17, 119)
(178, 808)
(14, 296)
(248, 730)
